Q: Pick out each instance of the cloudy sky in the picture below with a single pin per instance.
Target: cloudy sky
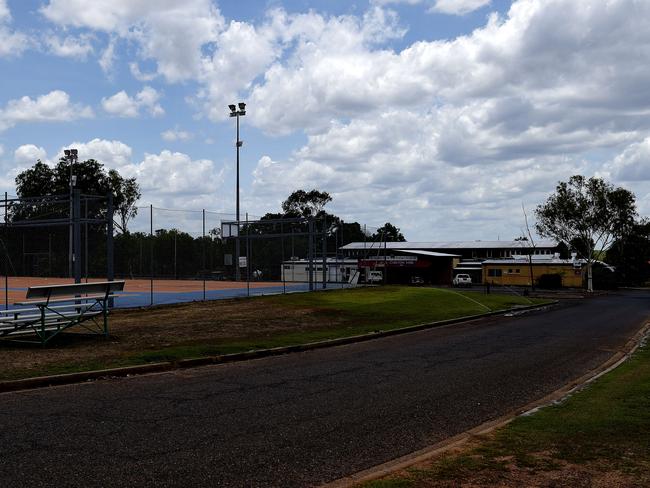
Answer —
(441, 116)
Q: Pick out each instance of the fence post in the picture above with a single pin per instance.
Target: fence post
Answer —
(86, 239)
(204, 265)
(248, 259)
(325, 270)
(6, 257)
(151, 253)
(76, 248)
(310, 253)
(110, 262)
(284, 282)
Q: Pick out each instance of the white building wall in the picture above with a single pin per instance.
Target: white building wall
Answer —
(337, 272)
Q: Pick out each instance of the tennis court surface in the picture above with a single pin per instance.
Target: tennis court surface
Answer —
(143, 293)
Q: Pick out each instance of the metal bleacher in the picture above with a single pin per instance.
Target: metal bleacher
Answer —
(49, 310)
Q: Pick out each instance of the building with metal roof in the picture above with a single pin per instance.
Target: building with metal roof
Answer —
(463, 249)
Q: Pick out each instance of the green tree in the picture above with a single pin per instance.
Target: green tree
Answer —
(126, 193)
(630, 254)
(388, 232)
(91, 178)
(591, 212)
(35, 181)
(303, 203)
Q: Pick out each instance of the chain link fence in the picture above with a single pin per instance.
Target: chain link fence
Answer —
(177, 255)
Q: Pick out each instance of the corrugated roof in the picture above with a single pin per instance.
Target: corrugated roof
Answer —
(452, 245)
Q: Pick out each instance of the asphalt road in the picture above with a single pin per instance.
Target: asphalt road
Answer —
(304, 419)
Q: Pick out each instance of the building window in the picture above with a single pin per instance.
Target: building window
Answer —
(287, 266)
(494, 272)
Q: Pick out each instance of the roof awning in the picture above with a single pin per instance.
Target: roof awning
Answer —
(429, 253)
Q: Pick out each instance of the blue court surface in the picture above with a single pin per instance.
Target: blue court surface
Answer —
(145, 298)
(142, 299)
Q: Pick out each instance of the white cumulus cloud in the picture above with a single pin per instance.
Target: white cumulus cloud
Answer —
(12, 43)
(175, 179)
(123, 105)
(113, 154)
(458, 7)
(70, 47)
(4, 11)
(633, 164)
(27, 154)
(51, 107)
(453, 7)
(168, 179)
(169, 32)
(176, 135)
(462, 129)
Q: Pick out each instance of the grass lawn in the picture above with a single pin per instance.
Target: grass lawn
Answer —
(597, 437)
(169, 333)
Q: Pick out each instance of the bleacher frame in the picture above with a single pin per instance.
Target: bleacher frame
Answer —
(52, 309)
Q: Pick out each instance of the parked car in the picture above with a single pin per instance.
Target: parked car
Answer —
(462, 280)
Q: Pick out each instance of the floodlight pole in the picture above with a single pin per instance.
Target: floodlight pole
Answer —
(237, 113)
(237, 250)
(69, 158)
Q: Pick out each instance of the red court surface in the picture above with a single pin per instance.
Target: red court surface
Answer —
(185, 290)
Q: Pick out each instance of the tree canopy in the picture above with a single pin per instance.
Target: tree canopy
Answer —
(587, 212)
(303, 203)
(92, 179)
(630, 254)
(388, 232)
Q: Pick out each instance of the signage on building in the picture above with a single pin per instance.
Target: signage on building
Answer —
(389, 261)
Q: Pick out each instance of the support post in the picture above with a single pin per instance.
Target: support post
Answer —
(385, 260)
(151, 251)
(86, 240)
(248, 258)
(204, 265)
(6, 258)
(76, 248)
(175, 255)
(49, 254)
(325, 270)
(310, 252)
(110, 263)
(284, 282)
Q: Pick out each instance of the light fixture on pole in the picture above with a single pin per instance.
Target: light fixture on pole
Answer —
(234, 112)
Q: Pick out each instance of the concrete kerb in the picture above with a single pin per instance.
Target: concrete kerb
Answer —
(558, 396)
(71, 378)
